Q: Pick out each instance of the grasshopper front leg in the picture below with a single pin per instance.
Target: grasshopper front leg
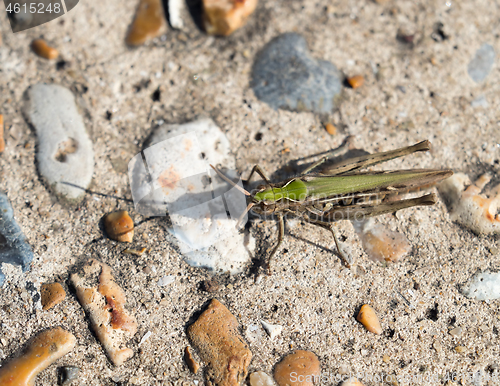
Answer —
(260, 172)
(281, 233)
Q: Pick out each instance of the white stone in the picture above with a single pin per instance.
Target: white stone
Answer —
(175, 177)
(273, 330)
(176, 11)
(260, 378)
(483, 286)
(146, 336)
(64, 154)
(166, 280)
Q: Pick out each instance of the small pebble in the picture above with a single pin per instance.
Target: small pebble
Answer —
(190, 361)
(166, 280)
(211, 285)
(456, 331)
(67, 374)
(146, 336)
(45, 349)
(302, 368)
(460, 349)
(52, 294)
(148, 23)
(64, 150)
(137, 252)
(471, 207)
(260, 378)
(223, 17)
(352, 382)
(482, 62)
(286, 76)
(369, 319)
(42, 49)
(177, 11)
(437, 346)
(483, 286)
(356, 81)
(381, 244)
(119, 226)
(330, 129)
(386, 358)
(273, 330)
(215, 334)
(14, 248)
(2, 140)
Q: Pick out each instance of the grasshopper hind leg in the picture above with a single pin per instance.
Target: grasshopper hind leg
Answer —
(325, 225)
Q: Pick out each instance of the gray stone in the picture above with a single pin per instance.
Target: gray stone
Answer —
(67, 374)
(13, 246)
(480, 65)
(483, 286)
(64, 155)
(286, 76)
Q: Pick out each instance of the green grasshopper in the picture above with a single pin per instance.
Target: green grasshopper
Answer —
(341, 192)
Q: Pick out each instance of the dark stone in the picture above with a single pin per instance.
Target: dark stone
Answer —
(13, 246)
(286, 76)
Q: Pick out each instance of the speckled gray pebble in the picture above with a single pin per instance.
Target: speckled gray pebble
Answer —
(64, 155)
(480, 65)
(67, 374)
(13, 246)
(285, 75)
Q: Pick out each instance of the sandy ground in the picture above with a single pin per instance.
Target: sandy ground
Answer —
(310, 293)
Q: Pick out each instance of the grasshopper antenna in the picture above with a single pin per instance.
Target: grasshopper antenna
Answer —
(246, 193)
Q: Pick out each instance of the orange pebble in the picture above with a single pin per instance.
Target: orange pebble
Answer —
(44, 350)
(368, 318)
(330, 129)
(119, 226)
(42, 49)
(356, 81)
(51, 295)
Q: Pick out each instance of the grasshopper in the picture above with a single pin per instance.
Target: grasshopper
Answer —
(340, 192)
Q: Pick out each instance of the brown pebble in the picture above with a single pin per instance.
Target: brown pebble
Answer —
(223, 17)
(215, 335)
(190, 361)
(119, 226)
(42, 49)
(330, 129)
(2, 141)
(137, 252)
(302, 368)
(104, 301)
(51, 295)
(460, 349)
(368, 318)
(209, 285)
(356, 81)
(45, 349)
(148, 22)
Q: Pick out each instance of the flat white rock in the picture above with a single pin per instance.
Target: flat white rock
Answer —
(64, 155)
(172, 174)
(273, 330)
(483, 286)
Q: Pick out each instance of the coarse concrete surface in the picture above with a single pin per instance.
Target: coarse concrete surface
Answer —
(422, 91)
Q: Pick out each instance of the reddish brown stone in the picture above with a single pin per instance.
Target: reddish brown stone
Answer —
(215, 335)
(51, 295)
(223, 17)
(302, 368)
(148, 22)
